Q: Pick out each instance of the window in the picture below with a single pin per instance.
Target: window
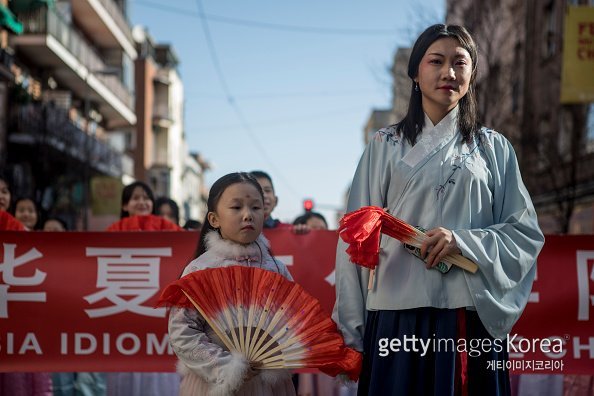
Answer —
(550, 33)
(590, 129)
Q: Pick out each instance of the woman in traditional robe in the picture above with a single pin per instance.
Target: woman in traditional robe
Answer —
(439, 170)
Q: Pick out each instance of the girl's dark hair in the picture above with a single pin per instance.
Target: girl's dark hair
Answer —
(127, 195)
(59, 220)
(258, 174)
(192, 224)
(217, 189)
(414, 121)
(167, 201)
(304, 217)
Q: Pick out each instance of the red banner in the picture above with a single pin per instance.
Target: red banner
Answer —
(84, 301)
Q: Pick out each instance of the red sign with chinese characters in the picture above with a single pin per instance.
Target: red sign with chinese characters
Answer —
(84, 301)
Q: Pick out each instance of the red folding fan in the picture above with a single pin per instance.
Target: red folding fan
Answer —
(272, 321)
(144, 223)
(361, 229)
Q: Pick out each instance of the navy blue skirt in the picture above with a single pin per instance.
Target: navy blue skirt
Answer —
(415, 352)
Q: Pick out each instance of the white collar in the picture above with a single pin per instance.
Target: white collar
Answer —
(226, 249)
(432, 137)
(446, 122)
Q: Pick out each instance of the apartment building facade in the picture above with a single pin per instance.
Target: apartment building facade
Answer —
(71, 101)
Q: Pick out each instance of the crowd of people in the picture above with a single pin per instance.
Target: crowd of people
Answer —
(438, 168)
(138, 200)
(139, 211)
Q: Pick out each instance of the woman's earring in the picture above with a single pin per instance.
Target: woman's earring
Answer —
(416, 86)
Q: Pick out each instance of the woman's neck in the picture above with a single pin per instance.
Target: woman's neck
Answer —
(436, 114)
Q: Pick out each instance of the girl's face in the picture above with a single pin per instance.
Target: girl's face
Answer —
(239, 213)
(26, 213)
(4, 196)
(270, 200)
(166, 211)
(139, 203)
(444, 77)
(53, 225)
(315, 223)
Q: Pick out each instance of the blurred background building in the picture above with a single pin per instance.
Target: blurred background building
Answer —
(86, 106)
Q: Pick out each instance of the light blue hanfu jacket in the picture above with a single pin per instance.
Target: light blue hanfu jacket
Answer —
(476, 191)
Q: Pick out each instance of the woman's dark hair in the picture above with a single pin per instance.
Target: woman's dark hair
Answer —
(172, 204)
(217, 189)
(304, 217)
(127, 195)
(414, 121)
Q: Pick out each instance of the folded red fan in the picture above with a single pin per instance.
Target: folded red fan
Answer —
(144, 223)
(361, 229)
(269, 319)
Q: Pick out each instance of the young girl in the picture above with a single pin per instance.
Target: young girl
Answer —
(438, 169)
(137, 200)
(231, 235)
(4, 194)
(137, 213)
(7, 221)
(25, 211)
(168, 209)
(138, 204)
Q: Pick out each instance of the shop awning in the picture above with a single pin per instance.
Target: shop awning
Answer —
(9, 21)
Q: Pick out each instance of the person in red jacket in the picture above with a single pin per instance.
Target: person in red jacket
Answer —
(138, 208)
(138, 214)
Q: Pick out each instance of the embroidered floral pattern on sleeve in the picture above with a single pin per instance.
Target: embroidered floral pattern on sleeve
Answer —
(388, 135)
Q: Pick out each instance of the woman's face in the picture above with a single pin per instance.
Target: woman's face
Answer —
(4, 196)
(26, 213)
(139, 204)
(444, 77)
(239, 214)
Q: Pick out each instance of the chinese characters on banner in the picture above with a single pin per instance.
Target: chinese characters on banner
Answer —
(84, 301)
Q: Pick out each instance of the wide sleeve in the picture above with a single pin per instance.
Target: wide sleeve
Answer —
(505, 251)
(368, 188)
(222, 370)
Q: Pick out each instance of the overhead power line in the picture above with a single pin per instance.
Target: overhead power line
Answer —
(281, 121)
(233, 103)
(269, 25)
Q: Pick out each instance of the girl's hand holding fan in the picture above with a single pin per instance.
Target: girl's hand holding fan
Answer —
(272, 321)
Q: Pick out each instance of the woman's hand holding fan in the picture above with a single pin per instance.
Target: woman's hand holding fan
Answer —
(362, 230)
(269, 319)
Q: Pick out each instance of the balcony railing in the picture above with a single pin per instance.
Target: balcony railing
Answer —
(118, 16)
(50, 125)
(46, 21)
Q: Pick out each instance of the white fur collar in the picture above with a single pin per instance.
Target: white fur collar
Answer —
(226, 249)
